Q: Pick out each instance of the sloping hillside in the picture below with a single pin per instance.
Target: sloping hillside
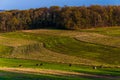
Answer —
(88, 47)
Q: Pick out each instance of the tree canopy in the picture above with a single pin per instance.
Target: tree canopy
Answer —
(60, 17)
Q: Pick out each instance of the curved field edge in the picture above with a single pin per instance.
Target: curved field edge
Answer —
(88, 35)
(36, 51)
(30, 67)
(6, 75)
(70, 46)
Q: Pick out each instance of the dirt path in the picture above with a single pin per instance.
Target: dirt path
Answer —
(55, 72)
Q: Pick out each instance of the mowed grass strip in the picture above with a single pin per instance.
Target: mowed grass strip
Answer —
(98, 35)
(107, 37)
(6, 75)
(110, 31)
(99, 39)
(37, 51)
(31, 65)
(56, 48)
(70, 46)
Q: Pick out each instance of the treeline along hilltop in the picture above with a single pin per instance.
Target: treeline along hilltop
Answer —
(60, 17)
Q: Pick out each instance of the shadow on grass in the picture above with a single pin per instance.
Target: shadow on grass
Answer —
(103, 72)
(4, 75)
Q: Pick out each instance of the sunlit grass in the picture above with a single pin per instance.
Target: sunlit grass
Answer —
(23, 76)
(56, 49)
(14, 63)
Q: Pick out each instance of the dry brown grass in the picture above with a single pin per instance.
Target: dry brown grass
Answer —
(82, 36)
(14, 42)
(49, 56)
(42, 53)
(99, 39)
(54, 72)
(55, 32)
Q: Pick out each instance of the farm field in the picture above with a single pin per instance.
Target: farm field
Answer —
(11, 69)
(24, 76)
(29, 52)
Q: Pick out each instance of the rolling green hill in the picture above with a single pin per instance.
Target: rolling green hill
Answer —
(60, 54)
(100, 46)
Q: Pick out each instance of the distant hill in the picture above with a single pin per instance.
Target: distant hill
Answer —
(2, 10)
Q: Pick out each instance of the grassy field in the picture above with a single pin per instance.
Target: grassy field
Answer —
(56, 66)
(19, 76)
(57, 49)
(81, 47)
(5, 74)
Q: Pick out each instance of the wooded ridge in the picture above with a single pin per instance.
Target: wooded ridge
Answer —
(60, 17)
